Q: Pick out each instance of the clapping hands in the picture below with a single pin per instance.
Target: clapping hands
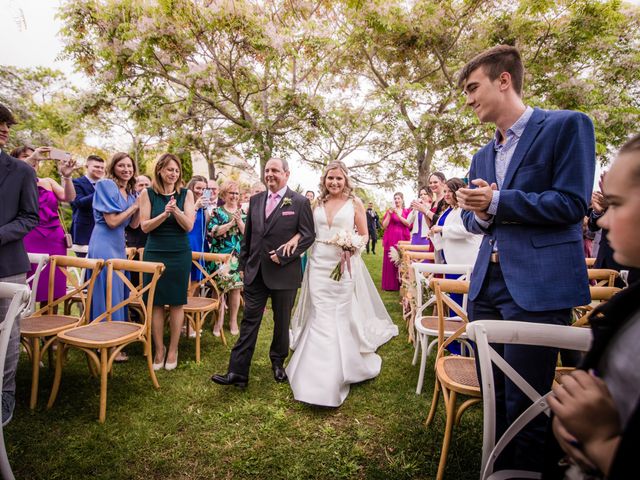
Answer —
(170, 207)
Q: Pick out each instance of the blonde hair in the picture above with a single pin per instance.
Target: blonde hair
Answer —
(226, 186)
(348, 186)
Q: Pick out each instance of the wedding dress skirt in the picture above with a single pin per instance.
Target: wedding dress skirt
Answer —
(337, 326)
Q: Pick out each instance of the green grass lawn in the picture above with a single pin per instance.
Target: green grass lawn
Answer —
(193, 429)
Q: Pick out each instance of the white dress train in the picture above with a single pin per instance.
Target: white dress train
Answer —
(337, 326)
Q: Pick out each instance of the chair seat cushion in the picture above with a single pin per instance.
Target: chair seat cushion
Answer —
(451, 325)
(46, 325)
(459, 373)
(201, 303)
(102, 333)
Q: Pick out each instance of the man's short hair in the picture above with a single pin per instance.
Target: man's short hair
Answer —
(95, 158)
(6, 116)
(496, 60)
(285, 164)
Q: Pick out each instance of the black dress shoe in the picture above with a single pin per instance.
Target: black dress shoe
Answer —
(279, 374)
(230, 379)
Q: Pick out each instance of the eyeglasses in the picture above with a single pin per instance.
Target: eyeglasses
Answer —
(233, 193)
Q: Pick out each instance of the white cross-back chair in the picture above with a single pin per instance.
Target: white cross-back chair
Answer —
(20, 297)
(40, 260)
(486, 332)
(427, 326)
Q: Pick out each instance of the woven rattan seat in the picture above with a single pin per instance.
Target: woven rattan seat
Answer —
(46, 325)
(450, 326)
(461, 370)
(201, 302)
(102, 332)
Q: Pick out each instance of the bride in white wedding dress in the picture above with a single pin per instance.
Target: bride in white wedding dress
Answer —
(337, 325)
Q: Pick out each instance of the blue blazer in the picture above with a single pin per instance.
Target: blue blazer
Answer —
(82, 208)
(19, 213)
(538, 224)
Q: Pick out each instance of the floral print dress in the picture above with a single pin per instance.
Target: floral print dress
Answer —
(227, 243)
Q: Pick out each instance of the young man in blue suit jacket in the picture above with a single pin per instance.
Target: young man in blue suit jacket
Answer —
(18, 216)
(530, 188)
(82, 207)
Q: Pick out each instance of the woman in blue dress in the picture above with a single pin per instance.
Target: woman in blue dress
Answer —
(198, 236)
(114, 207)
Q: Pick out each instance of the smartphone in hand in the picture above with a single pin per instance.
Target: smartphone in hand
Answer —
(57, 154)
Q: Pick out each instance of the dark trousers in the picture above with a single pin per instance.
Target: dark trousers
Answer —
(255, 301)
(535, 364)
(373, 239)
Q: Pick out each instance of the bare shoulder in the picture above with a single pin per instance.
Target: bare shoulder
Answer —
(359, 206)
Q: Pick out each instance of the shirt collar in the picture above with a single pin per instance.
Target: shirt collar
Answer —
(516, 129)
(280, 192)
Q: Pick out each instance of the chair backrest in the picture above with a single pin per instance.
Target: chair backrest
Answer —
(200, 261)
(447, 307)
(423, 273)
(598, 295)
(486, 332)
(118, 267)
(590, 262)
(131, 253)
(604, 277)
(40, 260)
(79, 285)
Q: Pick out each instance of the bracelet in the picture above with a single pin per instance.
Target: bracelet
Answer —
(65, 178)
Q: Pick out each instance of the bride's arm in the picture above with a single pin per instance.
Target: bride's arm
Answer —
(361, 219)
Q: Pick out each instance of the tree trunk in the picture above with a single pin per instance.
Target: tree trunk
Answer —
(213, 175)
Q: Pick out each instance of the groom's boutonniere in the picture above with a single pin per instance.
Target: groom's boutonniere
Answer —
(286, 202)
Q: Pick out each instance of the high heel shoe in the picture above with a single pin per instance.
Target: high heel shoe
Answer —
(171, 365)
(159, 366)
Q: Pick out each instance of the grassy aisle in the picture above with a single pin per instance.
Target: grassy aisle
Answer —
(193, 429)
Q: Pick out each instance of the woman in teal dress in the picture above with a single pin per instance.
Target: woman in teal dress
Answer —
(227, 228)
(167, 215)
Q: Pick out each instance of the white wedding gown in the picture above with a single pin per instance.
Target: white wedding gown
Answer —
(337, 326)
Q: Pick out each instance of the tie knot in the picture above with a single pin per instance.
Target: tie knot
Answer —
(273, 196)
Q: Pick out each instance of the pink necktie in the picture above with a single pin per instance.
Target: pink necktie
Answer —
(271, 204)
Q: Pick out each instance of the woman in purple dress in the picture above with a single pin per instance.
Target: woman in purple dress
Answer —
(48, 236)
(396, 228)
(419, 220)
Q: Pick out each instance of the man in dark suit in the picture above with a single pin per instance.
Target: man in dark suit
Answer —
(274, 218)
(82, 207)
(530, 187)
(18, 216)
(373, 224)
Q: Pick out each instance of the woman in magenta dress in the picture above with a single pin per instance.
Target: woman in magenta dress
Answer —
(396, 228)
(48, 236)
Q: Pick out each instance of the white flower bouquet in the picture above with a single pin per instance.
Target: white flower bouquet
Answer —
(350, 243)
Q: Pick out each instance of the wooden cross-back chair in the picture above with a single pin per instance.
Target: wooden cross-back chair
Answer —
(427, 326)
(44, 324)
(109, 337)
(598, 295)
(209, 298)
(590, 262)
(79, 276)
(603, 277)
(19, 296)
(455, 375)
(408, 282)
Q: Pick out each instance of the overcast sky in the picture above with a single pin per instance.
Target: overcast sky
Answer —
(29, 38)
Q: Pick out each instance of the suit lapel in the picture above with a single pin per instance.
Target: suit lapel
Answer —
(6, 166)
(490, 162)
(528, 136)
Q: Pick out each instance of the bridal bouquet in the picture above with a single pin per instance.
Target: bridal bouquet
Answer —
(350, 243)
